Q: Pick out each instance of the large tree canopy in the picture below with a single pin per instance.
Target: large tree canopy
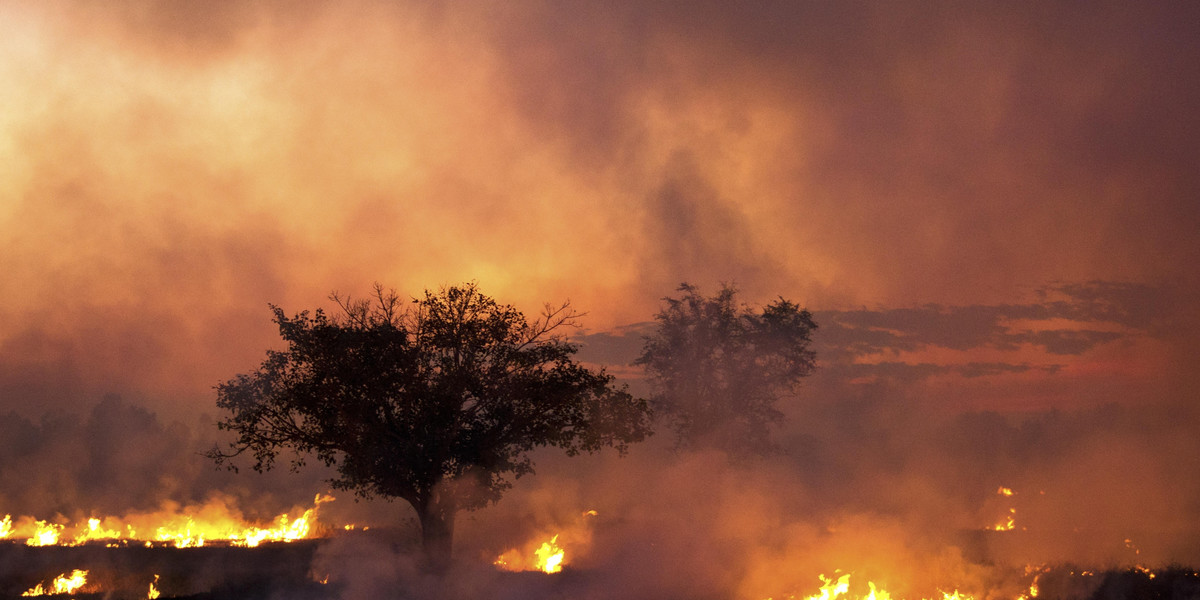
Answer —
(717, 368)
(437, 401)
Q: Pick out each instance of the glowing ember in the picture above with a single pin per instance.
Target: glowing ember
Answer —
(1010, 520)
(1037, 572)
(839, 589)
(1009, 523)
(61, 584)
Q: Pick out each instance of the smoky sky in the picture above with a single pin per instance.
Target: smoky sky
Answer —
(170, 168)
(990, 209)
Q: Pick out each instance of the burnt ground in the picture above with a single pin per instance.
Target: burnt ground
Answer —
(209, 572)
(282, 570)
(1073, 583)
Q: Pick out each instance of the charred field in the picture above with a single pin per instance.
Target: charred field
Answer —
(286, 570)
(127, 571)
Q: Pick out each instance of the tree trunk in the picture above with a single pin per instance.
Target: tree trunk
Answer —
(437, 532)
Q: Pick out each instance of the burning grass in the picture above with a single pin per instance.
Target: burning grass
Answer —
(287, 570)
(121, 573)
(546, 552)
(174, 552)
(181, 527)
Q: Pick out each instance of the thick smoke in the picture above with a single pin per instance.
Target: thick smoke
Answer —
(906, 503)
(173, 167)
(884, 472)
(909, 173)
(119, 459)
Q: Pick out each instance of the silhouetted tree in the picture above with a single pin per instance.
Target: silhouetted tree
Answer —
(437, 401)
(717, 368)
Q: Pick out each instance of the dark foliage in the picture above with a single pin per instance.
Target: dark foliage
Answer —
(718, 368)
(437, 401)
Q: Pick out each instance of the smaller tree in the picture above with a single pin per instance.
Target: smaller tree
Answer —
(718, 368)
(438, 401)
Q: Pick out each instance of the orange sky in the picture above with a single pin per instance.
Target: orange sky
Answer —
(169, 168)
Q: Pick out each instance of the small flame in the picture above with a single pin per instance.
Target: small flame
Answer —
(1009, 523)
(550, 556)
(153, 593)
(6, 526)
(95, 532)
(1034, 589)
(46, 534)
(839, 589)
(62, 584)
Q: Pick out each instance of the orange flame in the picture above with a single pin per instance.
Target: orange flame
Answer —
(832, 589)
(882, 595)
(188, 527)
(62, 584)
(839, 589)
(46, 534)
(1010, 520)
(1009, 523)
(548, 555)
(153, 593)
(95, 532)
(547, 558)
(955, 595)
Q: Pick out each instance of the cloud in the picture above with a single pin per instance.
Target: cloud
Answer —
(844, 156)
(1058, 323)
(1060, 330)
